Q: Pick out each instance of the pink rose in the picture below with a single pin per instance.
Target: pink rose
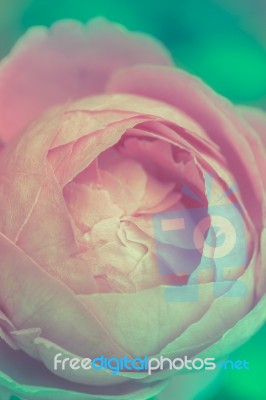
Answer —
(110, 151)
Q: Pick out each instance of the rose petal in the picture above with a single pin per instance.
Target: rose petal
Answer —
(125, 180)
(87, 148)
(6, 327)
(24, 377)
(256, 118)
(47, 234)
(225, 311)
(156, 192)
(125, 102)
(78, 123)
(147, 333)
(67, 62)
(47, 351)
(120, 194)
(105, 232)
(115, 262)
(240, 332)
(212, 112)
(89, 205)
(22, 175)
(199, 336)
(261, 267)
(33, 299)
(257, 139)
(24, 338)
(155, 156)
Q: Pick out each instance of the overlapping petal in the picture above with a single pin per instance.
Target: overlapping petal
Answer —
(215, 114)
(79, 191)
(82, 58)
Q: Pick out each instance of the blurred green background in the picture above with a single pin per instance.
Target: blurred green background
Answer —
(221, 41)
(242, 384)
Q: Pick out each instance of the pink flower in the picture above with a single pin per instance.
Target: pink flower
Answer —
(104, 140)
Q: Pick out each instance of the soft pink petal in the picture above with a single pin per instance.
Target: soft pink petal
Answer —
(47, 351)
(33, 299)
(155, 156)
(47, 234)
(27, 180)
(261, 268)
(75, 273)
(23, 174)
(24, 374)
(24, 338)
(156, 192)
(256, 119)
(181, 136)
(225, 325)
(225, 311)
(115, 262)
(212, 112)
(145, 273)
(243, 329)
(80, 153)
(77, 123)
(127, 102)
(67, 62)
(168, 162)
(105, 232)
(122, 195)
(147, 332)
(125, 179)
(32, 343)
(89, 205)
(129, 173)
(154, 143)
(6, 327)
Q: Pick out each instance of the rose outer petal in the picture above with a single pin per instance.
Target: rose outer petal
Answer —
(256, 119)
(24, 377)
(33, 299)
(146, 334)
(69, 61)
(5, 327)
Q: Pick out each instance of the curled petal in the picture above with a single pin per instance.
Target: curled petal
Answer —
(33, 299)
(28, 379)
(256, 119)
(216, 115)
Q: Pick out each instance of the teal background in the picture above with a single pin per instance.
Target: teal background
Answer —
(221, 41)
